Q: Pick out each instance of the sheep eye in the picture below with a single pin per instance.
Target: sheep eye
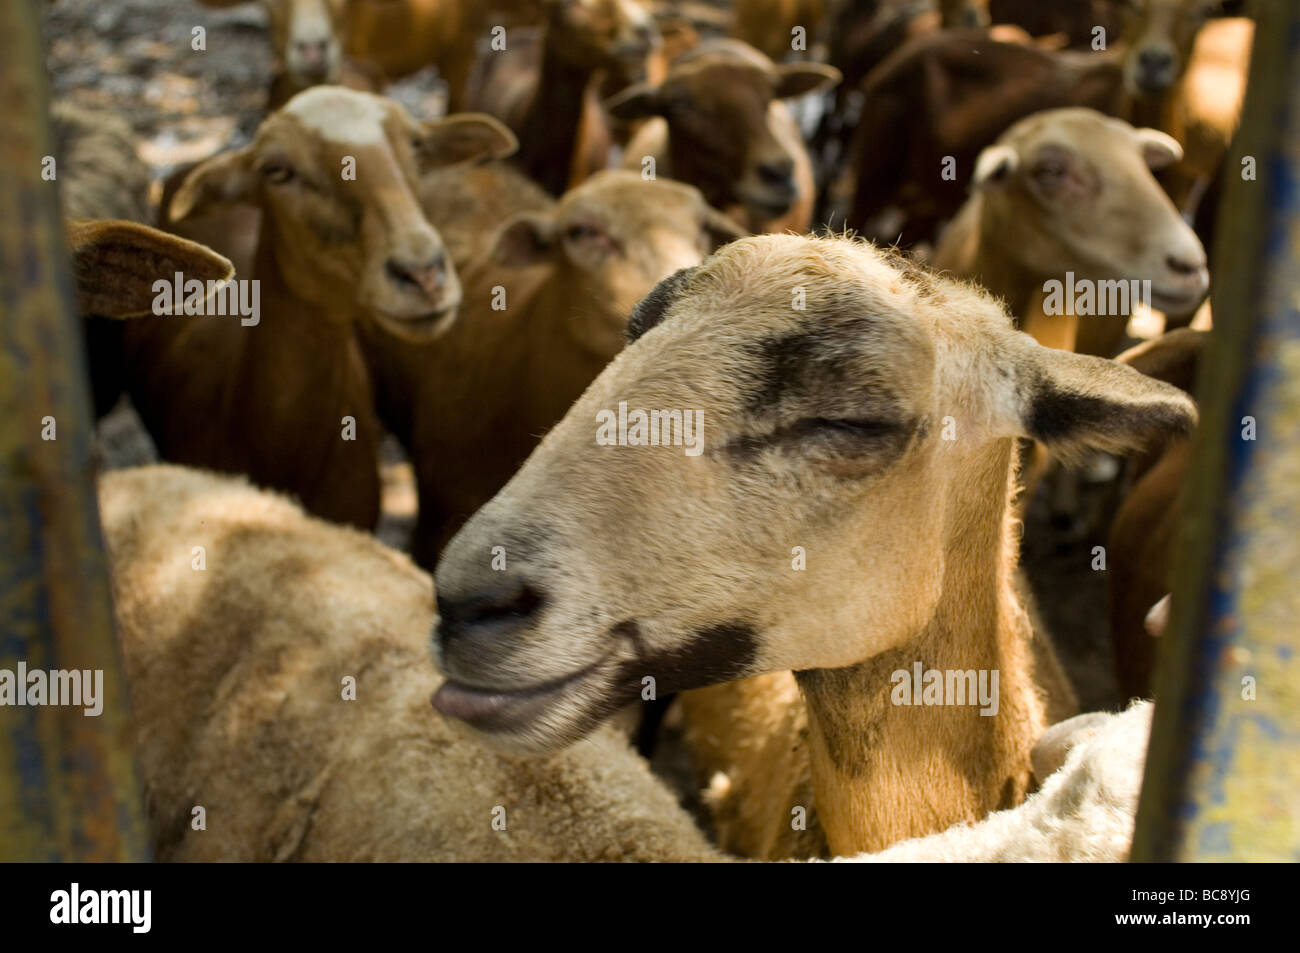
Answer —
(862, 429)
(277, 173)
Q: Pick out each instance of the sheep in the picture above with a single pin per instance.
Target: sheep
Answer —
(100, 174)
(722, 128)
(949, 95)
(546, 93)
(1143, 532)
(288, 700)
(544, 310)
(823, 460)
(307, 37)
(769, 25)
(284, 396)
(1068, 195)
(284, 689)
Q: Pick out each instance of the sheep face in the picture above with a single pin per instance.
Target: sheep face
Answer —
(717, 102)
(617, 35)
(608, 242)
(306, 35)
(1159, 35)
(1070, 189)
(335, 173)
(858, 419)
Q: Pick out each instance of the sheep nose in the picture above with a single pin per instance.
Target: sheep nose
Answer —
(428, 276)
(1155, 62)
(311, 52)
(507, 601)
(776, 171)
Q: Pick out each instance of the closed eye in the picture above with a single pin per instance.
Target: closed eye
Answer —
(866, 428)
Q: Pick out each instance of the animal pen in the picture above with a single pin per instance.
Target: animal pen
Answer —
(1223, 770)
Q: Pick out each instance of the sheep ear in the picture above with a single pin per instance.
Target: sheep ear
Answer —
(1075, 403)
(221, 180)
(638, 101)
(1159, 150)
(117, 265)
(463, 138)
(721, 228)
(796, 79)
(528, 239)
(995, 166)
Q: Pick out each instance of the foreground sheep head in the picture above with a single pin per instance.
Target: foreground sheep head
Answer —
(853, 406)
(335, 172)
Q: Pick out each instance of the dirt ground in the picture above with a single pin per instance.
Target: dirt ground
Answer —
(135, 57)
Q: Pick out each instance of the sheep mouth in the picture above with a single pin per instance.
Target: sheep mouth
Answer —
(500, 710)
(427, 325)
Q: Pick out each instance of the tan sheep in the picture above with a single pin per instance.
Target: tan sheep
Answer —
(1068, 196)
(847, 517)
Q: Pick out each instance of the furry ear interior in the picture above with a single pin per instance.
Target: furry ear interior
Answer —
(796, 79)
(463, 138)
(528, 239)
(1076, 403)
(995, 166)
(638, 101)
(116, 264)
(221, 180)
(1159, 150)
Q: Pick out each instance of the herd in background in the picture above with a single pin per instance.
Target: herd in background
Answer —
(474, 279)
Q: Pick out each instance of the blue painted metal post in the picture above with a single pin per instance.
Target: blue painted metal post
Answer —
(68, 789)
(1223, 774)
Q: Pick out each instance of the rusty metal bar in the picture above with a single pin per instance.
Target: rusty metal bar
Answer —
(68, 789)
(1223, 775)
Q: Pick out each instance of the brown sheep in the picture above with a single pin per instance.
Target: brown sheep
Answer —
(823, 439)
(724, 130)
(544, 311)
(1143, 533)
(287, 399)
(547, 92)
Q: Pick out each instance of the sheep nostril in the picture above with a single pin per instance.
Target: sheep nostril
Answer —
(428, 277)
(513, 602)
(776, 172)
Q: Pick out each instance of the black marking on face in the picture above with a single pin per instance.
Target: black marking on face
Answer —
(650, 310)
(718, 653)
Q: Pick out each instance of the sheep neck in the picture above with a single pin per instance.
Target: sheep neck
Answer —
(882, 771)
(995, 269)
(550, 130)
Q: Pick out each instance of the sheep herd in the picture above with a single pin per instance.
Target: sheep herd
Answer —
(734, 350)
